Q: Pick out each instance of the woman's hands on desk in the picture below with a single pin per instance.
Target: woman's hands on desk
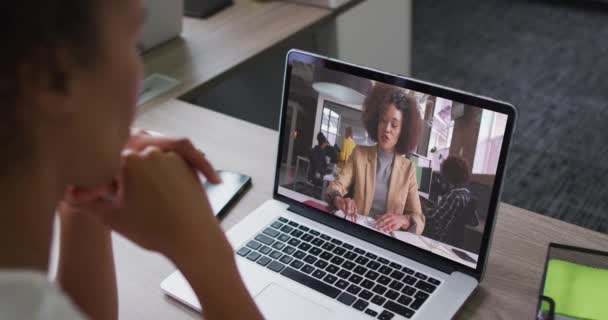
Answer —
(348, 206)
(391, 222)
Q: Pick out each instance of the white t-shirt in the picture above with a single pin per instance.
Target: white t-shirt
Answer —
(30, 295)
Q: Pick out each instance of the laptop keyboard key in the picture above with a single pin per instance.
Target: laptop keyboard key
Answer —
(373, 275)
(332, 269)
(330, 279)
(283, 220)
(392, 294)
(373, 265)
(434, 281)
(366, 294)
(360, 305)
(420, 276)
(307, 269)
(397, 275)
(395, 265)
(383, 261)
(299, 254)
(278, 245)
(273, 233)
(289, 249)
(294, 242)
(328, 246)
(339, 251)
(317, 242)
(296, 264)
(265, 249)
(362, 260)
(348, 246)
(319, 274)
(304, 246)
(283, 237)
(425, 286)
(409, 291)
(409, 280)
(306, 237)
(276, 266)
(276, 254)
(243, 251)
(348, 265)
(371, 256)
(359, 251)
(337, 260)
(355, 279)
(385, 270)
(384, 280)
(253, 256)
(360, 270)
(325, 237)
(254, 245)
(379, 300)
(314, 232)
(264, 239)
(371, 312)
(277, 225)
(303, 228)
(379, 289)
(310, 259)
(311, 282)
(286, 259)
(405, 300)
(353, 289)
(350, 255)
(386, 315)
(293, 223)
(343, 274)
(346, 298)
(315, 251)
(367, 284)
(407, 270)
(263, 261)
(399, 309)
(421, 295)
(396, 285)
(341, 284)
(287, 229)
(416, 304)
(326, 255)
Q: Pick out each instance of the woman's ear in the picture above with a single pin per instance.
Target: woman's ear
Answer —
(46, 83)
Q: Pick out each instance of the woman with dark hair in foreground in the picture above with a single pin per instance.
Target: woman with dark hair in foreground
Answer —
(69, 80)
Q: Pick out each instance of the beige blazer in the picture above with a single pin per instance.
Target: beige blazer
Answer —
(359, 172)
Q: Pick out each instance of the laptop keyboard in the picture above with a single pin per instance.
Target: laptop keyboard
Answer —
(373, 285)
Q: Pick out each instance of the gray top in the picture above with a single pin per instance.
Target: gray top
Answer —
(384, 167)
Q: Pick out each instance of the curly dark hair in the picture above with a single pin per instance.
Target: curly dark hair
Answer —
(33, 32)
(378, 100)
(455, 170)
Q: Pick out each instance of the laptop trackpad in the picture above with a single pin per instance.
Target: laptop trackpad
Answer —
(278, 303)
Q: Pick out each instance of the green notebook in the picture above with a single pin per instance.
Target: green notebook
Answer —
(579, 292)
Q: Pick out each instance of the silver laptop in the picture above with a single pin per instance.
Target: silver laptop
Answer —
(301, 259)
(163, 22)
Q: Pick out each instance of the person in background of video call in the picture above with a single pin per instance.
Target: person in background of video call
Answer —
(319, 156)
(456, 172)
(380, 178)
(348, 145)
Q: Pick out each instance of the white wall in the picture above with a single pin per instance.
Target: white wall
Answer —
(377, 34)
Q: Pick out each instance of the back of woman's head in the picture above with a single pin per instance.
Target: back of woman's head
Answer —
(33, 33)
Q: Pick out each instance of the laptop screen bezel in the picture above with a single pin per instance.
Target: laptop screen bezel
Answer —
(361, 232)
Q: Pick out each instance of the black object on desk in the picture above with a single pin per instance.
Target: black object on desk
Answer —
(204, 8)
(222, 196)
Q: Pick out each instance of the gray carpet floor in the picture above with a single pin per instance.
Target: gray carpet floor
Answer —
(548, 58)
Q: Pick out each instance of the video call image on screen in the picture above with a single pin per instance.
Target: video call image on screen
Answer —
(416, 167)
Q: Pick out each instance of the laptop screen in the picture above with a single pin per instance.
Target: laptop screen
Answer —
(407, 164)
